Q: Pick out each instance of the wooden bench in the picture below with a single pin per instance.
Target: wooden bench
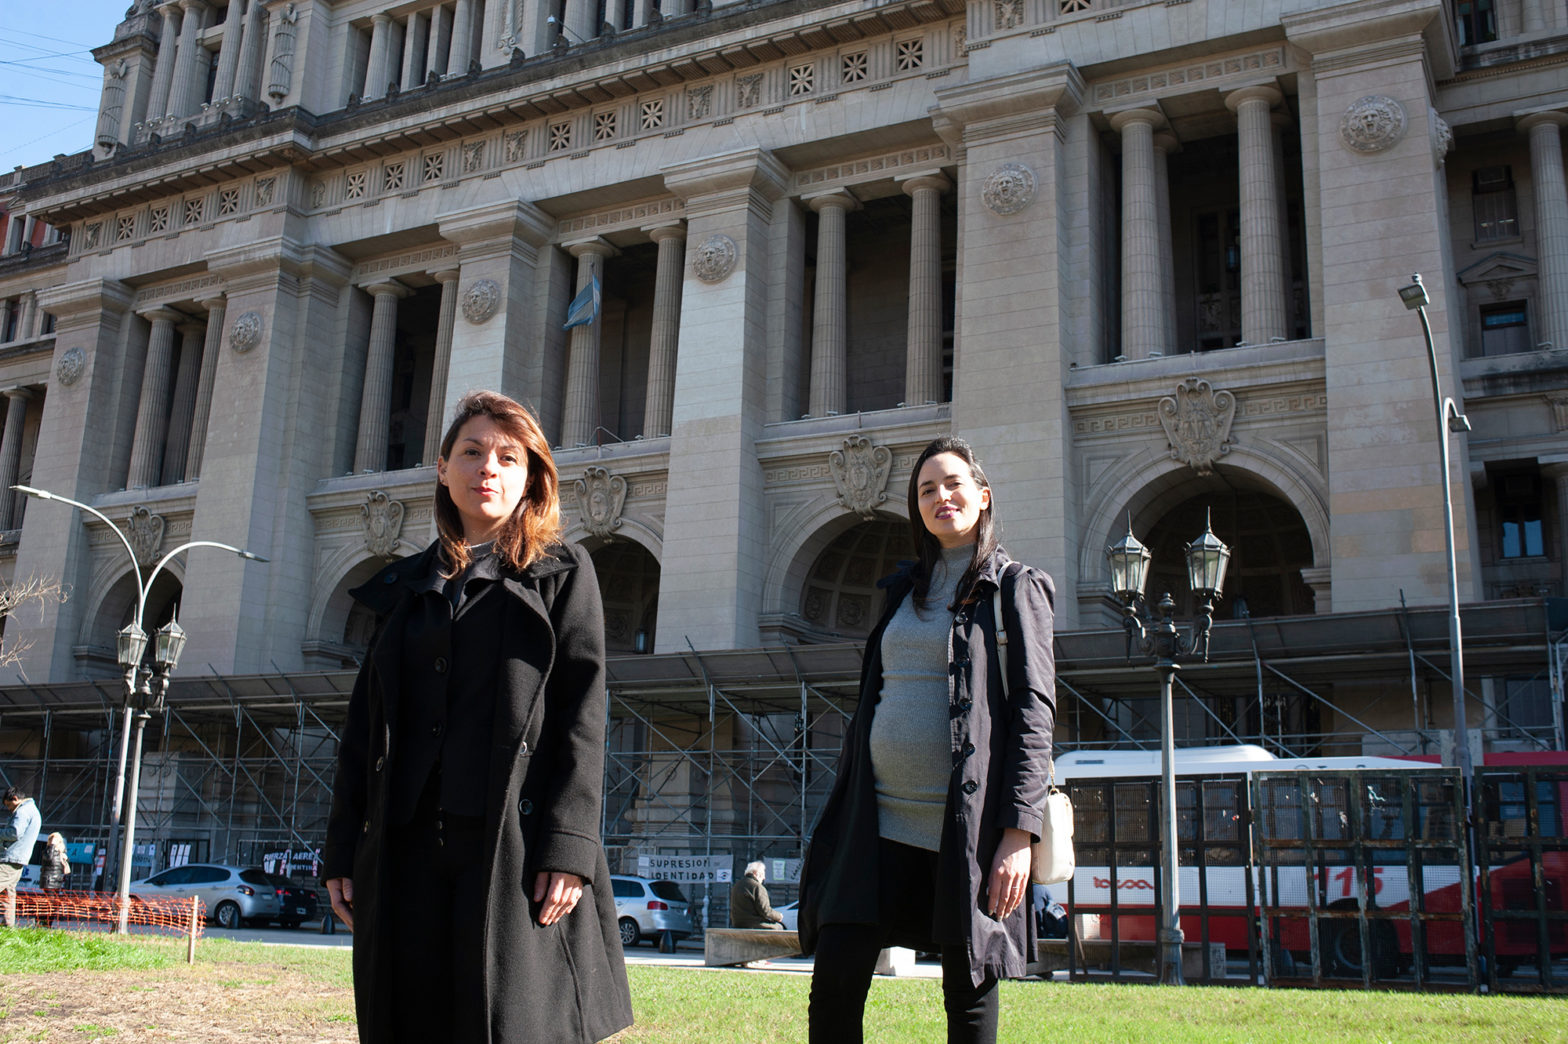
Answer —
(1134, 955)
(726, 947)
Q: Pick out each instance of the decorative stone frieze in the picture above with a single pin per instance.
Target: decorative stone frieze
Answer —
(68, 369)
(382, 518)
(1372, 124)
(1559, 405)
(860, 473)
(714, 258)
(1009, 189)
(246, 332)
(1197, 422)
(481, 300)
(600, 497)
(145, 532)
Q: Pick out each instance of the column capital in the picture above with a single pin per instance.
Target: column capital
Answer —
(1166, 141)
(1264, 92)
(1531, 120)
(443, 275)
(597, 247)
(193, 6)
(1143, 114)
(912, 183)
(190, 328)
(18, 393)
(838, 197)
(1556, 470)
(386, 287)
(214, 302)
(161, 313)
(380, 18)
(668, 230)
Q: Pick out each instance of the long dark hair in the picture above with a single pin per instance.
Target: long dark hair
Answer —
(535, 523)
(927, 547)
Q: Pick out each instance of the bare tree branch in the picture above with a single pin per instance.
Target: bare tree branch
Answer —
(17, 595)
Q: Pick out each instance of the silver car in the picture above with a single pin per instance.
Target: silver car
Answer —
(647, 909)
(233, 894)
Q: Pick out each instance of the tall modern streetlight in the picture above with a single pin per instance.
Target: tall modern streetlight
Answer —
(141, 697)
(1449, 421)
(1207, 560)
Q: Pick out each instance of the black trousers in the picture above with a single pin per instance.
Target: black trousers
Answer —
(436, 911)
(847, 957)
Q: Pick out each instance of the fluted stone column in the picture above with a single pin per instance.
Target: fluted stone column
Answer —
(439, 40)
(376, 66)
(923, 345)
(216, 313)
(163, 70)
(375, 400)
(582, 373)
(580, 26)
(253, 44)
(435, 419)
(462, 38)
(190, 77)
(11, 453)
(1557, 472)
(229, 50)
(659, 407)
(183, 409)
(415, 32)
(152, 411)
(1534, 15)
(27, 321)
(642, 10)
(830, 308)
(1143, 284)
(1164, 145)
(1264, 299)
(1551, 222)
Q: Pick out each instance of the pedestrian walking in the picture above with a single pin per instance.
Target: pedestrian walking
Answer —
(53, 874)
(18, 833)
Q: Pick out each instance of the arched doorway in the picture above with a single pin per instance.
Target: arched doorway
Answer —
(629, 585)
(839, 599)
(1269, 543)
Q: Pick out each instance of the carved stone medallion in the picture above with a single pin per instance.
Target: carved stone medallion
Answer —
(1197, 422)
(480, 300)
(383, 521)
(145, 532)
(246, 332)
(1372, 124)
(860, 472)
(715, 258)
(600, 497)
(1442, 138)
(68, 370)
(1009, 189)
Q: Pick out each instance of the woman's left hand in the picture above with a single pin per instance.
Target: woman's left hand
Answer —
(1009, 880)
(559, 893)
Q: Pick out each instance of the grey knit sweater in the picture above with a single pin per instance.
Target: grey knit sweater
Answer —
(911, 734)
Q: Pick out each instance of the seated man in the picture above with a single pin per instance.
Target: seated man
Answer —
(749, 901)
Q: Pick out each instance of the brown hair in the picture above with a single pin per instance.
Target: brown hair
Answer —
(927, 547)
(536, 522)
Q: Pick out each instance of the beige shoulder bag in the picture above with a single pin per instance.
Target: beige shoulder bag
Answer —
(1051, 858)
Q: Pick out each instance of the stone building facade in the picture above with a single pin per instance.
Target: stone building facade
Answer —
(1144, 255)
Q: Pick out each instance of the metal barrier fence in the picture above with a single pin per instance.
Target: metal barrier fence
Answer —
(1344, 878)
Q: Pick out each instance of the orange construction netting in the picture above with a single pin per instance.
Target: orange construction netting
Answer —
(90, 911)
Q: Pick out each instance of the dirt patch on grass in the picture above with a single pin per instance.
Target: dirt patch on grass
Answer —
(206, 1002)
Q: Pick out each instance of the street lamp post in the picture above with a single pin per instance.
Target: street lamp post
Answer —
(1207, 560)
(140, 698)
(1449, 421)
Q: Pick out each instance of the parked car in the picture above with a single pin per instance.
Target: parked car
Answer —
(296, 902)
(790, 912)
(233, 894)
(648, 909)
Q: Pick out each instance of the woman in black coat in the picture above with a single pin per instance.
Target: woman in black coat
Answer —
(924, 841)
(463, 845)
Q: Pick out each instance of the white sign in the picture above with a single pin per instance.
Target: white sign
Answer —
(687, 869)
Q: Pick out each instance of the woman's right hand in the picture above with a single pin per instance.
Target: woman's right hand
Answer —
(341, 891)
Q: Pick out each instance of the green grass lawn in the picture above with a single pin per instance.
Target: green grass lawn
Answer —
(681, 1006)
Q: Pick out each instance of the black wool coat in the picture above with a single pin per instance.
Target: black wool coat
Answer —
(551, 985)
(1001, 751)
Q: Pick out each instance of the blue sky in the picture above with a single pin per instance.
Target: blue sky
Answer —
(49, 82)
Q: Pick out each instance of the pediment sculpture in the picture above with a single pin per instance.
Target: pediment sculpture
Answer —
(600, 497)
(145, 532)
(383, 521)
(860, 472)
(1197, 422)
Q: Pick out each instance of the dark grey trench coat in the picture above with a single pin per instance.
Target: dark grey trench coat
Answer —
(1001, 770)
(564, 983)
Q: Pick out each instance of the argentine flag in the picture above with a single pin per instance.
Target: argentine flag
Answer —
(585, 306)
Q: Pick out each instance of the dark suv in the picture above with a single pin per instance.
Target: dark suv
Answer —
(296, 902)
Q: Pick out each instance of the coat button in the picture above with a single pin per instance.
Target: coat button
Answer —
(366, 828)
(435, 730)
(526, 807)
(389, 579)
(961, 663)
(965, 703)
(524, 751)
(969, 748)
(970, 786)
(380, 764)
(440, 665)
(961, 618)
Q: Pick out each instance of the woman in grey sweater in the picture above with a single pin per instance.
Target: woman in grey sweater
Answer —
(924, 841)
